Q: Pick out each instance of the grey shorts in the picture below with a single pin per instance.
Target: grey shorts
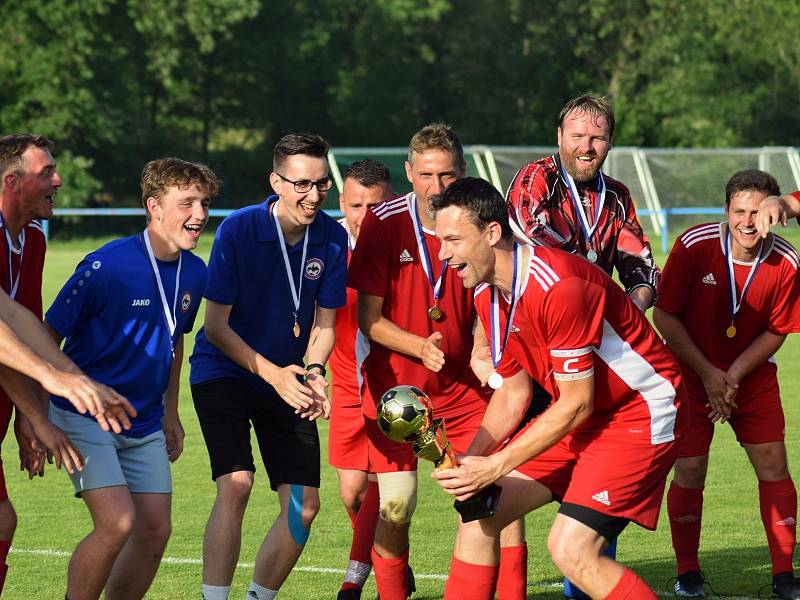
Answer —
(109, 459)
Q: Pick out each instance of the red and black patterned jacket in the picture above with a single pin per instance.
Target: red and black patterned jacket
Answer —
(538, 196)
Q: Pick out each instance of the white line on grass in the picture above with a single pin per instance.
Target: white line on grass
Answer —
(173, 560)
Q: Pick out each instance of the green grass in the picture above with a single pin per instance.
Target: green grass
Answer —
(52, 521)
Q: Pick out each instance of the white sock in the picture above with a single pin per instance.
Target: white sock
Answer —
(216, 592)
(258, 592)
(357, 573)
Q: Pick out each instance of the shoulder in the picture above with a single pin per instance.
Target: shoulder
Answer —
(388, 211)
(701, 235)
(547, 267)
(786, 251)
(330, 226)
(194, 262)
(530, 172)
(243, 216)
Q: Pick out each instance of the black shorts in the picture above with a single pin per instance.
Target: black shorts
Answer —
(289, 445)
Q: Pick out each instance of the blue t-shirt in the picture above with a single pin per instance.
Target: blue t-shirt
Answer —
(246, 271)
(112, 317)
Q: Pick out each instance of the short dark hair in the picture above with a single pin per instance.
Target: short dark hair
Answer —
(592, 104)
(438, 136)
(480, 198)
(309, 144)
(751, 179)
(13, 146)
(163, 173)
(368, 172)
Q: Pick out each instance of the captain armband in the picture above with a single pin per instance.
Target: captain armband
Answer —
(571, 365)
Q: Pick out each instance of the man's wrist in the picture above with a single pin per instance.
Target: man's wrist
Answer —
(318, 366)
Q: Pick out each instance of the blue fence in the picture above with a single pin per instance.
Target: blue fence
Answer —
(663, 214)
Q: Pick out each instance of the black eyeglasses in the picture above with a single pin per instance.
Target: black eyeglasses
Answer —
(303, 186)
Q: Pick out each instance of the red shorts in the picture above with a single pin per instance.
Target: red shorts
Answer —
(6, 410)
(758, 419)
(386, 456)
(605, 471)
(347, 438)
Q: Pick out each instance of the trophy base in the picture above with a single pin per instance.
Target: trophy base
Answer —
(480, 505)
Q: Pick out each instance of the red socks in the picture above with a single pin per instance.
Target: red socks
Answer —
(390, 576)
(363, 535)
(685, 509)
(469, 582)
(512, 580)
(778, 500)
(630, 587)
(4, 547)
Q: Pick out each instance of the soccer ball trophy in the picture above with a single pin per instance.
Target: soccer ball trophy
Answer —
(405, 415)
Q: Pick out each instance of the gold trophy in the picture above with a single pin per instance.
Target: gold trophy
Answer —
(405, 415)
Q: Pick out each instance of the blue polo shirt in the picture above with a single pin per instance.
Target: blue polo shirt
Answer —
(246, 271)
(110, 313)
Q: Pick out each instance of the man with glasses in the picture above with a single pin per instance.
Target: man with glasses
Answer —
(276, 277)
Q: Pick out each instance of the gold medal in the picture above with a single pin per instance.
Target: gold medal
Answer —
(435, 313)
(731, 331)
(296, 327)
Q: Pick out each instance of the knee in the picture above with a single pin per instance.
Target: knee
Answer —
(233, 491)
(8, 520)
(156, 531)
(570, 559)
(351, 500)
(398, 497)
(117, 530)
(309, 511)
(691, 472)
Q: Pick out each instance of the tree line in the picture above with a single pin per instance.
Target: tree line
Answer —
(118, 82)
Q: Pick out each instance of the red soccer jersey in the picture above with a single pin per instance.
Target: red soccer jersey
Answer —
(344, 381)
(21, 278)
(571, 318)
(695, 288)
(386, 263)
(539, 195)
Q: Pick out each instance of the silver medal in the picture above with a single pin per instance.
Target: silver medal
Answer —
(591, 255)
(495, 380)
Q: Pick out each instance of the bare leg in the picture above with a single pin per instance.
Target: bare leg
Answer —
(113, 515)
(279, 551)
(136, 565)
(223, 537)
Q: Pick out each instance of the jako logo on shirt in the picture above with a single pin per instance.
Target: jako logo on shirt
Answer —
(314, 268)
(141, 302)
(186, 301)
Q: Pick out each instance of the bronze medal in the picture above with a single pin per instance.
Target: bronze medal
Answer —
(435, 313)
(296, 327)
(731, 331)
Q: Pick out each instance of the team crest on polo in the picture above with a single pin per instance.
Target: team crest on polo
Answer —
(186, 301)
(314, 268)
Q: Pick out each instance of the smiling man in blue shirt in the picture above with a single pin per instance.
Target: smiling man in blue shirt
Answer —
(276, 277)
(123, 313)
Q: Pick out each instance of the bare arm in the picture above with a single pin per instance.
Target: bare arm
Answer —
(320, 346)
(642, 297)
(775, 210)
(481, 359)
(575, 404)
(504, 412)
(757, 353)
(173, 430)
(383, 331)
(22, 392)
(718, 384)
(283, 379)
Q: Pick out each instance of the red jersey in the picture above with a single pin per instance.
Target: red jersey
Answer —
(570, 321)
(23, 282)
(21, 278)
(387, 263)
(695, 288)
(344, 382)
(539, 196)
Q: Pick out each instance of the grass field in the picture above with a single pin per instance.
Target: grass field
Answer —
(52, 521)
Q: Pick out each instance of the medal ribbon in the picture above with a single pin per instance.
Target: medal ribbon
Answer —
(422, 248)
(576, 201)
(494, 316)
(13, 282)
(296, 290)
(736, 305)
(169, 316)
